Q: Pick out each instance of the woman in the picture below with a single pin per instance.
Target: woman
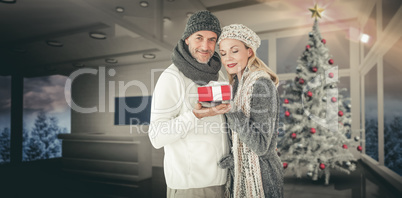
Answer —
(255, 166)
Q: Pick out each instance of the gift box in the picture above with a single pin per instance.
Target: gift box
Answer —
(215, 92)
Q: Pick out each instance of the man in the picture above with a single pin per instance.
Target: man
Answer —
(193, 137)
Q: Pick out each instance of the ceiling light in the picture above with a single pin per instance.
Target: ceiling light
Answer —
(188, 14)
(149, 56)
(54, 43)
(8, 1)
(111, 60)
(144, 4)
(97, 35)
(364, 38)
(119, 9)
(79, 65)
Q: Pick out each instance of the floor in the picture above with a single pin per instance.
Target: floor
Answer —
(47, 180)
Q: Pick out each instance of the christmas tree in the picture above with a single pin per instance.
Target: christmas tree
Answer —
(317, 119)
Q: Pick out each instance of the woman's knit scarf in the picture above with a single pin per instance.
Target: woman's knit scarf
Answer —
(198, 72)
(247, 172)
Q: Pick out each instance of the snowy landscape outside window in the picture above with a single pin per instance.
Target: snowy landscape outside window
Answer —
(5, 115)
(46, 114)
(371, 113)
(393, 108)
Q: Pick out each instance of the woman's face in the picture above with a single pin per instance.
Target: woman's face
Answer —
(234, 56)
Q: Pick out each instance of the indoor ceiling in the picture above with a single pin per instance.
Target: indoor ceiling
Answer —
(45, 37)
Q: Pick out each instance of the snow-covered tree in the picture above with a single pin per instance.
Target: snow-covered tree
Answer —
(393, 145)
(42, 142)
(5, 145)
(371, 134)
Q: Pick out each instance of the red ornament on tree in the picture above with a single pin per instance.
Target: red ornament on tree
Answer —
(331, 75)
(308, 47)
(287, 113)
(293, 135)
(285, 165)
(345, 146)
(314, 69)
(359, 148)
(340, 113)
(301, 81)
(324, 41)
(310, 94)
(333, 99)
(312, 130)
(322, 166)
(286, 101)
(331, 61)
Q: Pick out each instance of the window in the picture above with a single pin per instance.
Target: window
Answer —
(288, 51)
(371, 113)
(262, 52)
(46, 114)
(5, 114)
(393, 108)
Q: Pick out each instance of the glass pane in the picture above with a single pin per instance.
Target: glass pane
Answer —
(371, 113)
(370, 29)
(46, 114)
(262, 51)
(5, 114)
(393, 108)
(288, 51)
(389, 8)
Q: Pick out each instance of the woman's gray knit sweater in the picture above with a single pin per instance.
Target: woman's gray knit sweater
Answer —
(259, 133)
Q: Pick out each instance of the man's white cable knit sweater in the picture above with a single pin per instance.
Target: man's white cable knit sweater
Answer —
(193, 147)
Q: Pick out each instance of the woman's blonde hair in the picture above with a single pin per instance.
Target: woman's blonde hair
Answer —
(255, 64)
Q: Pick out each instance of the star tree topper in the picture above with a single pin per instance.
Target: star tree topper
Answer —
(316, 11)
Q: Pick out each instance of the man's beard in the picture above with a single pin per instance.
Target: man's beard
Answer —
(196, 55)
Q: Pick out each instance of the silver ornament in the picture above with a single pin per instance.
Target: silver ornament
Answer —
(310, 174)
(357, 138)
(348, 163)
(299, 145)
(324, 98)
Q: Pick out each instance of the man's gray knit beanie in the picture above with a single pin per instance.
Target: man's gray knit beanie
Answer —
(202, 20)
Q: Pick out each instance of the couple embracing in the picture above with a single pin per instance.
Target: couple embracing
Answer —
(236, 157)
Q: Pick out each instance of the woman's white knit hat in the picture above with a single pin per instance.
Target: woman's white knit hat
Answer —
(241, 33)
